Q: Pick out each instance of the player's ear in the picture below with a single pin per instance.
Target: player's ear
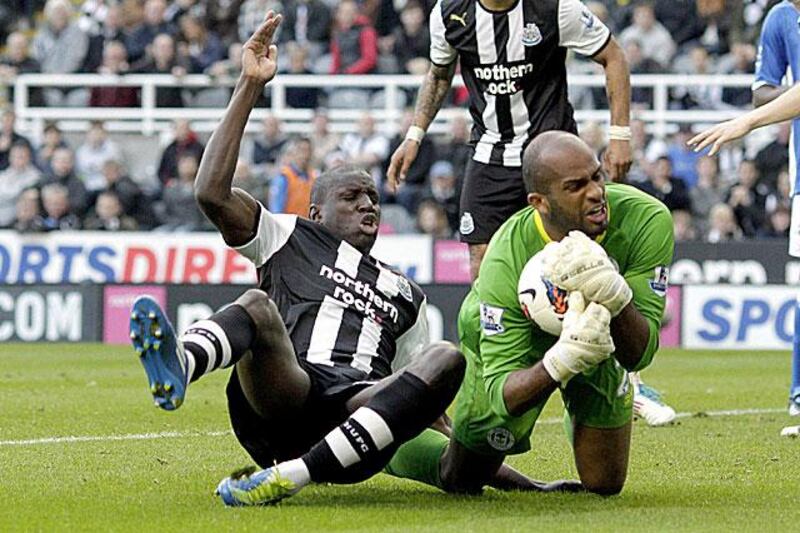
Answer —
(538, 202)
(314, 213)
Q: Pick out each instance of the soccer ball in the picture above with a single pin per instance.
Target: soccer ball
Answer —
(542, 302)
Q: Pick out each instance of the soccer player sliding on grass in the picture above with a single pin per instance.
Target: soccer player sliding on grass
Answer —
(313, 348)
(610, 246)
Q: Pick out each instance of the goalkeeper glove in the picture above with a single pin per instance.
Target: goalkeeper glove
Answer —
(585, 340)
(577, 263)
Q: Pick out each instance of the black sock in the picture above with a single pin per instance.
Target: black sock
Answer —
(362, 445)
(218, 341)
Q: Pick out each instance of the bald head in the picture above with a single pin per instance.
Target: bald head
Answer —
(551, 156)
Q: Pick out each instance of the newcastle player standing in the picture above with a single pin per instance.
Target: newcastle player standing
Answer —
(313, 348)
(512, 55)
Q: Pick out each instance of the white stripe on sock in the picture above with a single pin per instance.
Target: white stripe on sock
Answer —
(206, 345)
(375, 425)
(215, 329)
(341, 448)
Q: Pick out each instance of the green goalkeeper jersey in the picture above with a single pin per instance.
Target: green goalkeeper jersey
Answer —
(639, 238)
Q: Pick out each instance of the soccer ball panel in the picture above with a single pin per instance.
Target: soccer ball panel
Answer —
(542, 302)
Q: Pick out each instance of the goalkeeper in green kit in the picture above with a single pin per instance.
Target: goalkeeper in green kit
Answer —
(609, 246)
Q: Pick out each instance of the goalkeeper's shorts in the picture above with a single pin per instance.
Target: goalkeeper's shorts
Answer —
(602, 398)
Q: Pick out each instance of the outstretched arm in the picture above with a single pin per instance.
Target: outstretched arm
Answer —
(234, 212)
(784, 107)
(429, 100)
(618, 157)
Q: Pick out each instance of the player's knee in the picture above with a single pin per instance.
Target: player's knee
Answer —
(261, 309)
(444, 366)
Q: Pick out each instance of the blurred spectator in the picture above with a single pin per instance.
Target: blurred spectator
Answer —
(778, 223)
(697, 62)
(307, 22)
(411, 41)
(594, 136)
(684, 230)
(781, 195)
(96, 149)
(185, 143)
(268, 148)
(108, 215)
(300, 97)
(20, 175)
(201, 46)
(8, 136)
(354, 46)
(410, 191)
(456, 147)
(102, 32)
(366, 148)
(164, 60)
(748, 198)
(740, 60)
(133, 201)
(62, 172)
(323, 141)
(178, 8)
(59, 214)
(646, 149)
(655, 40)
(716, 16)
(722, 225)
(115, 61)
(179, 211)
(432, 220)
(15, 61)
(669, 189)
(59, 46)
(682, 157)
(28, 212)
(223, 72)
(444, 189)
(290, 191)
(251, 15)
(144, 33)
(246, 179)
(53, 139)
(771, 159)
(680, 18)
(707, 192)
(639, 64)
(222, 15)
(231, 66)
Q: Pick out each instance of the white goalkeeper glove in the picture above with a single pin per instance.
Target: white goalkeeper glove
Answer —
(577, 263)
(584, 343)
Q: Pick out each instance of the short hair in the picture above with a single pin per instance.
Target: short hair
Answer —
(327, 180)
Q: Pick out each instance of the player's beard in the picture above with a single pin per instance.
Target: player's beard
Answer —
(568, 221)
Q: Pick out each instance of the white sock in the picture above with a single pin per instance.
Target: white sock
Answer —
(295, 471)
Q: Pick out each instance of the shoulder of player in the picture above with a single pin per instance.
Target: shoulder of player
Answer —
(780, 11)
(627, 201)
(454, 7)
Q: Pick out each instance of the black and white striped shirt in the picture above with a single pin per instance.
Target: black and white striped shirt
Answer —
(513, 64)
(341, 308)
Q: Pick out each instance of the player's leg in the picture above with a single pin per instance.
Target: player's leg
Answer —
(362, 445)
(489, 196)
(251, 325)
(648, 403)
(600, 406)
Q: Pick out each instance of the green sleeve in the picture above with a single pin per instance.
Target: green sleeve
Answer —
(646, 274)
(506, 338)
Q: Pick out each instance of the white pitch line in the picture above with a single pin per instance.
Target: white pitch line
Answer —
(182, 434)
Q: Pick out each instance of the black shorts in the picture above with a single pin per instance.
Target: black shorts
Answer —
(276, 440)
(490, 195)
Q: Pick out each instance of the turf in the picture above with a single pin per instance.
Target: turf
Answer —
(705, 473)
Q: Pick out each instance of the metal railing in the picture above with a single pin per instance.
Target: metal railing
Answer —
(149, 119)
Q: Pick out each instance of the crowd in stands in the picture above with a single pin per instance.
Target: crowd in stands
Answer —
(54, 184)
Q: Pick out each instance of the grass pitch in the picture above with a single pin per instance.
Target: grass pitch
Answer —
(82, 448)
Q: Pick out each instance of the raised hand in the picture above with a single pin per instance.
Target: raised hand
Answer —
(718, 135)
(259, 54)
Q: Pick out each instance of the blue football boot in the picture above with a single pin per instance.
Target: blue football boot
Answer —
(251, 487)
(160, 352)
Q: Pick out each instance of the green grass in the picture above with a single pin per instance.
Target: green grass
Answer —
(706, 473)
